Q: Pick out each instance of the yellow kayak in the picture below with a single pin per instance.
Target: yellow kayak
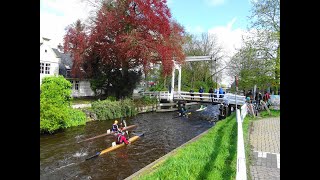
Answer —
(132, 139)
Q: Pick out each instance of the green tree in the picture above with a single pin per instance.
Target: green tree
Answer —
(55, 109)
(251, 69)
(265, 18)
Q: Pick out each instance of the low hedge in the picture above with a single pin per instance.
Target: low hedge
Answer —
(107, 109)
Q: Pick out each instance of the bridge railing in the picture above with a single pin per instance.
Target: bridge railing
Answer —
(198, 96)
(231, 99)
(185, 95)
(157, 94)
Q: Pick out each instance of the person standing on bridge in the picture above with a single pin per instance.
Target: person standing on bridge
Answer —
(221, 92)
(211, 94)
(201, 90)
(191, 93)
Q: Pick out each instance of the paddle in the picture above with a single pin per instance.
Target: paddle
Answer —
(125, 124)
(98, 153)
(101, 135)
(108, 132)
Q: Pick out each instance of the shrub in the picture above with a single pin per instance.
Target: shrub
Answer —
(56, 90)
(145, 101)
(108, 109)
(55, 110)
(111, 98)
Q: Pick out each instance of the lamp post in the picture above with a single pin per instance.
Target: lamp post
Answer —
(215, 69)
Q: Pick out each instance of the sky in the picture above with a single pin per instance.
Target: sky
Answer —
(227, 19)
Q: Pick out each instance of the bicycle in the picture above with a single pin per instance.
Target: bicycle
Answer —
(254, 108)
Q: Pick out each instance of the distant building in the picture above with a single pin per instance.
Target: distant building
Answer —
(54, 62)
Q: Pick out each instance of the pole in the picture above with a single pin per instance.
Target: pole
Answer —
(215, 67)
(179, 79)
(236, 82)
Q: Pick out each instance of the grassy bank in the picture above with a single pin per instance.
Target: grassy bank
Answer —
(274, 113)
(246, 131)
(212, 156)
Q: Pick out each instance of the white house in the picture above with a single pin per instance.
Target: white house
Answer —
(54, 62)
(49, 63)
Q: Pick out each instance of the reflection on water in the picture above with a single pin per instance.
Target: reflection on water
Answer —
(61, 157)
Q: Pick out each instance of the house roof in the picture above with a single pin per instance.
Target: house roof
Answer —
(66, 64)
(56, 51)
(46, 39)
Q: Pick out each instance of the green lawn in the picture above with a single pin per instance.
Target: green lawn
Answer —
(212, 156)
(274, 113)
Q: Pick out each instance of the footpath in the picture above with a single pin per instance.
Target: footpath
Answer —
(265, 149)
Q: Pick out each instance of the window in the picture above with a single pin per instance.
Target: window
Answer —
(45, 50)
(47, 69)
(41, 68)
(44, 68)
(76, 87)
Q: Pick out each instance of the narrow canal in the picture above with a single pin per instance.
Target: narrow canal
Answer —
(61, 157)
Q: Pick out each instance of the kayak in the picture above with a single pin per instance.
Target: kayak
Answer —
(132, 139)
(109, 133)
(201, 109)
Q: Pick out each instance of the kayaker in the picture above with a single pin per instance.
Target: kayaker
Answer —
(115, 128)
(121, 138)
(183, 110)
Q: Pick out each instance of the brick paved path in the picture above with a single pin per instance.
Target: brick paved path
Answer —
(265, 144)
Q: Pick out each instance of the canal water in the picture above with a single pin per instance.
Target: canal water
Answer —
(61, 157)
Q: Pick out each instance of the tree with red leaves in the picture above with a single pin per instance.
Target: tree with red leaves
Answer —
(75, 42)
(128, 35)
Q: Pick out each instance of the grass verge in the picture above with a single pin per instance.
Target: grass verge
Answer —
(213, 156)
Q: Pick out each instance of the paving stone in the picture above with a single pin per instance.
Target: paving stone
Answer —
(265, 141)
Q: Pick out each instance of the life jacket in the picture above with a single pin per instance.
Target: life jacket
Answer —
(114, 128)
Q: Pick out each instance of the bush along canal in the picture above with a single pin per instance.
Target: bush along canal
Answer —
(61, 157)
